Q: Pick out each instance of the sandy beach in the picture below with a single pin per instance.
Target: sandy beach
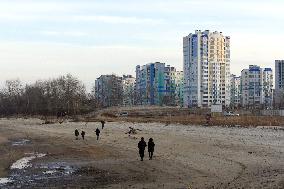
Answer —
(185, 156)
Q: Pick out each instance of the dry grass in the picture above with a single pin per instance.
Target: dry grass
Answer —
(249, 121)
(182, 116)
(245, 121)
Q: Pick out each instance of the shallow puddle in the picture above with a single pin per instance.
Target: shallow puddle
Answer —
(25, 174)
(56, 168)
(17, 168)
(21, 142)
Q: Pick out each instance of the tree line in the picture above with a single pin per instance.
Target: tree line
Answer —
(46, 97)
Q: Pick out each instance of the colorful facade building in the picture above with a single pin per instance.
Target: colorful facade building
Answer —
(155, 84)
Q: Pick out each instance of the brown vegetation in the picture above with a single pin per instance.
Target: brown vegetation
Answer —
(193, 119)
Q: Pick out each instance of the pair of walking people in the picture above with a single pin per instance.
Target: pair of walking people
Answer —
(83, 133)
(142, 145)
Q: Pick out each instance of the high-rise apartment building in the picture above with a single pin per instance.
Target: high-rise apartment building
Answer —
(279, 74)
(155, 84)
(256, 87)
(206, 67)
(279, 84)
(235, 91)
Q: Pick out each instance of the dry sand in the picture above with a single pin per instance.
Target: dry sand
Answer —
(184, 157)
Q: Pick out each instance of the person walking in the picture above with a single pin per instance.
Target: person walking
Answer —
(76, 134)
(103, 124)
(142, 145)
(98, 133)
(151, 146)
(83, 134)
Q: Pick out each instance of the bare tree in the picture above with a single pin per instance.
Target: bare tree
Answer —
(65, 93)
(12, 96)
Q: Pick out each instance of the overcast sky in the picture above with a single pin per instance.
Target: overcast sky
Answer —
(46, 38)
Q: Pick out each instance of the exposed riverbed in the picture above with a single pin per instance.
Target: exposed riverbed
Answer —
(185, 156)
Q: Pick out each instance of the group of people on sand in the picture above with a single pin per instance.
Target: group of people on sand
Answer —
(142, 145)
(83, 133)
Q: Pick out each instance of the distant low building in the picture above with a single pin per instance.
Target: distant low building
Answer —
(109, 91)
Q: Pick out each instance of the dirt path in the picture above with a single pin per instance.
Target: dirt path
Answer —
(185, 156)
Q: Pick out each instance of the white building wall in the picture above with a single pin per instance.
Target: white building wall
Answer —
(128, 85)
(256, 87)
(235, 91)
(179, 82)
(206, 69)
(268, 87)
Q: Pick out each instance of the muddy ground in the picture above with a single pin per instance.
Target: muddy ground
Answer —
(185, 156)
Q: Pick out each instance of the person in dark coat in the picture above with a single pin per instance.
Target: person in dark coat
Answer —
(208, 119)
(76, 134)
(142, 145)
(83, 134)
(103, 124)
(98, 133)
(151, 146)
